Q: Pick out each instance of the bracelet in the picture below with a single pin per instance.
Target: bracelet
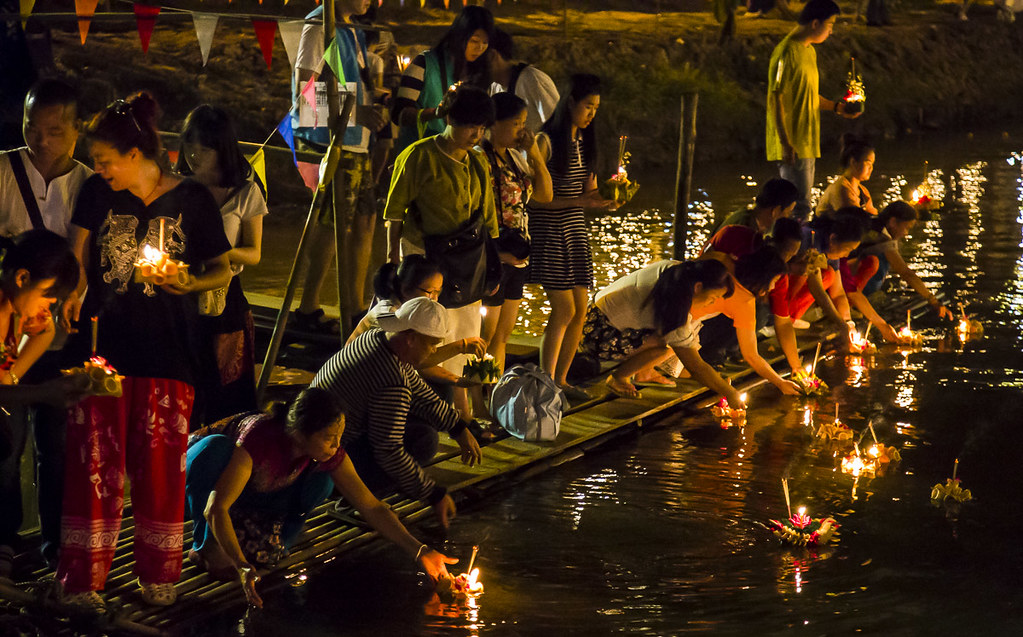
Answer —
(419, 553)
(14, 377)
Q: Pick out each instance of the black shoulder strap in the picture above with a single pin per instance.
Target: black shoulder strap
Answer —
(27, 195)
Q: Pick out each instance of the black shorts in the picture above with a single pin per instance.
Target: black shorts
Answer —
(512, 281)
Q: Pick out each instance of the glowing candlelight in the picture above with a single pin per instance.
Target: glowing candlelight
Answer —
(473, 585)
(955, 468)
(483, 311)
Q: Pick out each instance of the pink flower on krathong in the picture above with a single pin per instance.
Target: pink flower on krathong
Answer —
(800, 521)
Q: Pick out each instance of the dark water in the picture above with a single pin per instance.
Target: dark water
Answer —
(661, 534)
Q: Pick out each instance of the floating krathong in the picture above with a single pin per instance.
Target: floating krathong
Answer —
(906, 334)
(856, 464)
(951, 490)
(483, 370)
(968, 329)
(727, 415)
(860, 344)
(800, 529)
(855, 94)
(836, 430)
(810, 383)
(619, 187)
(463, 586)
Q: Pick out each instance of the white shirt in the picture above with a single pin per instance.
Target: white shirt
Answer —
(625, 305)
(56, 200)
(247, 204)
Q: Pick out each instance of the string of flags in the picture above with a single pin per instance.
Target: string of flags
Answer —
(205, 23)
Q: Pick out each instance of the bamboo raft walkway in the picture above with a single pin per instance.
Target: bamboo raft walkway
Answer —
(506, 460)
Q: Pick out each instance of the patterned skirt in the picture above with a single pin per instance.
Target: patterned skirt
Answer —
(605, 341)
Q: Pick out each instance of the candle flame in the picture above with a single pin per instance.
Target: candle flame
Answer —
(149, 253)
(472, 581)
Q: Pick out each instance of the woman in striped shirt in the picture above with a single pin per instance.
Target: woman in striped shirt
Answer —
(458, 57)
(560, 251)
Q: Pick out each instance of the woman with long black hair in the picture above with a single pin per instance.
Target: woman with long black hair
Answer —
(210, 154)
(459, 57)
(646, 315)
(560, 254)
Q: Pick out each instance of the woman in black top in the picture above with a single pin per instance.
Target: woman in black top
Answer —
(147, 332)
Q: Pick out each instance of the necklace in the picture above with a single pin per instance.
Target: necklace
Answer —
(158, 180)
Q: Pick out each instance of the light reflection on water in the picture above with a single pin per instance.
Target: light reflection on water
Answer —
(660, 533)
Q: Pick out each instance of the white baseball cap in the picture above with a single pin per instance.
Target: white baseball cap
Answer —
(421, 314)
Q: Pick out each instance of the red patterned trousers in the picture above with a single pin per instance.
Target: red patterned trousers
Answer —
(144, 432)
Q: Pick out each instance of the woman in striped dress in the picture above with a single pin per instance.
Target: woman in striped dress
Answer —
(560, 255)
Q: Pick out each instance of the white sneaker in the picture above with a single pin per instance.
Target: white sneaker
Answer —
(800, 324)
(158, 594)
(767, 331)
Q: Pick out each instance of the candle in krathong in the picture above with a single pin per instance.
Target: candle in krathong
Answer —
(955, 468)
(813, 369)
(801, 529)
(162, 223)
(95, 333)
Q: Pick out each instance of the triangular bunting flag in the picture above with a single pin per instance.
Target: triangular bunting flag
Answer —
(258, 162)
(310, 174)
(205, 25)
(265, 32)
(291, 34)
(85, 10)
(284, 128)
(309, 93)
(333, 59)
(447, 4)
(25, 11)
(145, 19)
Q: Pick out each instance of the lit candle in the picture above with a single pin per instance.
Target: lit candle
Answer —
(95, 333)
(162, 222)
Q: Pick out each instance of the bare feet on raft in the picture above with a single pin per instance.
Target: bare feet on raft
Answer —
(653, 377)
(621, 388)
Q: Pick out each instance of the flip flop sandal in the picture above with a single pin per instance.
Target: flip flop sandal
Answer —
(620, 389)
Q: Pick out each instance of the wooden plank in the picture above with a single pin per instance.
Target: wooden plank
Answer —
(325, 538)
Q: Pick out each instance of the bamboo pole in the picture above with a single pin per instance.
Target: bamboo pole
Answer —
(684, 175)
(341, 235)
(322, 196)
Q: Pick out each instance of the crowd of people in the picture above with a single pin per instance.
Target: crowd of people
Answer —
(493, 172)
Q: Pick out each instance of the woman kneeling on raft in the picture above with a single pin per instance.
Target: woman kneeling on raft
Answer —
(252, 479)
(883, 242)
(644, 316)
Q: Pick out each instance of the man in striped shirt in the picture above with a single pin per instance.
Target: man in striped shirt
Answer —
(392, 416)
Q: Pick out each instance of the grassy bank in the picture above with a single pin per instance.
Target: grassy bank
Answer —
(928, 72)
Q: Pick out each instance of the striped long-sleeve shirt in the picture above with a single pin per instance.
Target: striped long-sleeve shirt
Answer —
(378, 393)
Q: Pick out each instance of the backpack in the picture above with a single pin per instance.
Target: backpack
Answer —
(528, 404)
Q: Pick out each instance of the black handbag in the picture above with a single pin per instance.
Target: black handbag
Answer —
(468, 261)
